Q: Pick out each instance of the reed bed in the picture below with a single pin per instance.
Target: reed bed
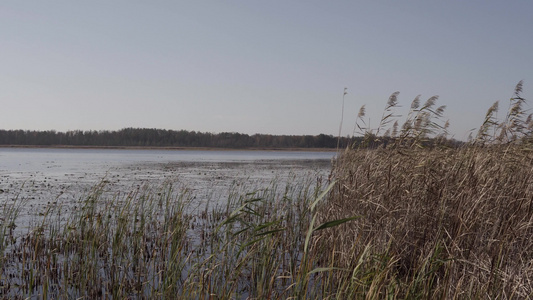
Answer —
(155, 243)
(434, 224)
(436, 221)
(393, 223)
(410, 219)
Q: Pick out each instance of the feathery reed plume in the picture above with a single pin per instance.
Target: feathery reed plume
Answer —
(518, 88)
(516, 114)
(430, 102)
(360, 118)
(421, 122)
(440, 110)
(408, 124)
(388, 114)
(416, 103)
(421, 125)
(515, 128)
(490, 121)
(362, 112)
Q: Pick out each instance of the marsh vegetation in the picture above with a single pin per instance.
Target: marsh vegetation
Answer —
(399, 218)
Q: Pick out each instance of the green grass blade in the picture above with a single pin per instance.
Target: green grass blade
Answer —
(335, 223)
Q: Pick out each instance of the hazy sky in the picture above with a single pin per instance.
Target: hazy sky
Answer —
(275, 67)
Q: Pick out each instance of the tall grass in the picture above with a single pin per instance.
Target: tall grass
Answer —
(400, 221)
(153, 243)
(436, 224)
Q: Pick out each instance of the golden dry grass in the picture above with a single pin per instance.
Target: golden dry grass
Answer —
(442, 223)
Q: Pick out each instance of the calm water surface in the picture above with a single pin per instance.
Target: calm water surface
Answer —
(43, 176)
(21, 159)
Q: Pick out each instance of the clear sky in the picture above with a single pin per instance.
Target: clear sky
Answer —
(275, 67)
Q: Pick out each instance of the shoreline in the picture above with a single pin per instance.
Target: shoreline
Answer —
(166, 148)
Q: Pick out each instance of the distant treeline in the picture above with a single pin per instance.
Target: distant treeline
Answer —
(142, 137)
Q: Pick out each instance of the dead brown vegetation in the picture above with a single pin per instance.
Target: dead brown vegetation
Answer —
(442, 223)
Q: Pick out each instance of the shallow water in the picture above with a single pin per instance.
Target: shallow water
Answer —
(43, 177)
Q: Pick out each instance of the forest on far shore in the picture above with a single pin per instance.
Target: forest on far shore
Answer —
(144, 137)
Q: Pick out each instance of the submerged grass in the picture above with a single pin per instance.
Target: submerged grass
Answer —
(151, 243)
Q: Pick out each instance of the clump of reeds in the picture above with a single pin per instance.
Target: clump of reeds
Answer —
(423, 125)
(152, 243)
(516, 127)
(436, 222)
(109, 247)
(450, 223)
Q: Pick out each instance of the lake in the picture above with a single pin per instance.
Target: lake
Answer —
(40, 176)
